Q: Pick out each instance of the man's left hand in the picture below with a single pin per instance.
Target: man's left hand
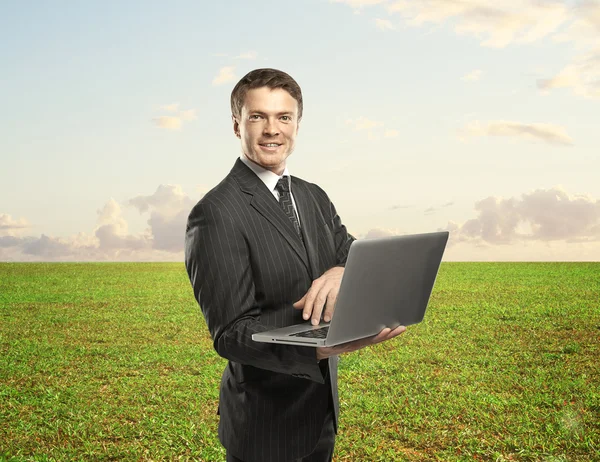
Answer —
(322, 294)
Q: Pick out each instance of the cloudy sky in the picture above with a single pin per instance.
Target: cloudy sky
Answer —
(482, 118)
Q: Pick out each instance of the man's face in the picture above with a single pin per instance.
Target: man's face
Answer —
(268, 127)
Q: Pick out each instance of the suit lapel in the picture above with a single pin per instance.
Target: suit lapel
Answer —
(265, 203)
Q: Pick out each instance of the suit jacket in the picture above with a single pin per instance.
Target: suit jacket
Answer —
(247, 266)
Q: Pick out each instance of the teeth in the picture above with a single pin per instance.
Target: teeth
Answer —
(271, 145)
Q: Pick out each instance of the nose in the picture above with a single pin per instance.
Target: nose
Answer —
(271, 127)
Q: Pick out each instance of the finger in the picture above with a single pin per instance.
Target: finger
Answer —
(394, 333)
(397, 331)
(308, 298)
(318, 305)
(300, 303)
(330, 306)
(308, 305)
(381, 336)
(311, 299)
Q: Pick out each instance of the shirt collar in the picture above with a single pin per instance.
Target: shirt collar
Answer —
(269, 178)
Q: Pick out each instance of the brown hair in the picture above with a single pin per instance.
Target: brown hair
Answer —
(271, 78)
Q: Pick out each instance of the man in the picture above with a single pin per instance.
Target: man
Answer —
(263, 250)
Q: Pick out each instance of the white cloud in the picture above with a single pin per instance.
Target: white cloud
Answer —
(541, 215)
(169, 232)
(110, 213)
(584, 28)
(111, 238)
(167, 199)
(168, 122)
(384, 24)
(169, 207)
(11, 227)
(545, 224)
(174, 122)
(548, 133)
(494, 24)
(582, 75)
(472, 76)
(225, 75)
(501, 24)
(14, 241)
(163, 240)
(112, 230)
(541, 225)
(48, 247)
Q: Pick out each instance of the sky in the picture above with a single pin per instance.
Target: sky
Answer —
(478, 118)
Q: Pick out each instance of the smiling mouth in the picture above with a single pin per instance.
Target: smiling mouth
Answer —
(270, 145)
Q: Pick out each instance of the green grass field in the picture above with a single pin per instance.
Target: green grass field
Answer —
(112, 361)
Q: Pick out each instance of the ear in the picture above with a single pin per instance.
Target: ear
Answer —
(236, 126)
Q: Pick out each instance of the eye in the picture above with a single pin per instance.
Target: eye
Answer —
(254, 117)
(286, 118)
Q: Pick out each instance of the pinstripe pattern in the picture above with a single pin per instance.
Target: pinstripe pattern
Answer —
(247, 265)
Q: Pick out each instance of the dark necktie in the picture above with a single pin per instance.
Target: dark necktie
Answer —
(285, 201)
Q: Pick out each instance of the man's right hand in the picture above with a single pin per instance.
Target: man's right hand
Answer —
(385, 334)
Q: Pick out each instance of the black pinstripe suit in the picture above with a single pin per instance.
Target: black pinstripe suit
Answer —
(247, 266)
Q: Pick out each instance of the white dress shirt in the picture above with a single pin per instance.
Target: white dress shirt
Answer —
(270, 179)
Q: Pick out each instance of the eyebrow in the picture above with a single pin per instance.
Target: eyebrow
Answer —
(264, 113)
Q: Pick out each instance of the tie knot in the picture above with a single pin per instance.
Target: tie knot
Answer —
(283, 185)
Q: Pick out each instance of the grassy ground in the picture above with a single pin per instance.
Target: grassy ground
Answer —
(114, 362)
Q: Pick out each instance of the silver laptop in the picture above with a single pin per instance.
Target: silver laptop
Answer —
(387, 283)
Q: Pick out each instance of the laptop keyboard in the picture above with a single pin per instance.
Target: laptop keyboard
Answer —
(314, 333)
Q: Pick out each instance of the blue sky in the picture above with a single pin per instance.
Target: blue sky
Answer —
(418, 116)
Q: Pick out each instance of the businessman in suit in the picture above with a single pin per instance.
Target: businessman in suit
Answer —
(264, 249)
